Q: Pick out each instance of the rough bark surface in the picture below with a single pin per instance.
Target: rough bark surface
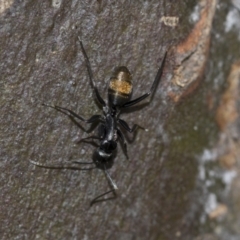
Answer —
(173, 187)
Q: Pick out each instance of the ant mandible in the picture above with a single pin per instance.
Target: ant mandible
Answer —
(119, 95)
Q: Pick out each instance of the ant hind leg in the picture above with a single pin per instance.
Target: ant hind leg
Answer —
(126, 127)
(72, 114)
(90, 73)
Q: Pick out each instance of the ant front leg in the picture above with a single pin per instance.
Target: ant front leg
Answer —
(113, 190)
(97, 199)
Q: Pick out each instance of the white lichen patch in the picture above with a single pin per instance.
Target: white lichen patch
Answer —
(56, 3)
(170, 21)
(232, 22)
(5, 4)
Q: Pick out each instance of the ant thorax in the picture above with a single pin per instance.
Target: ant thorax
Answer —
(105, 110)
(112, 110)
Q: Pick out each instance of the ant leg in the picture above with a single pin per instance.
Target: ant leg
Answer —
(91, 137)
(154, 86)
(90, 73)
(63, 165)
(71, 114)
(121, 136)
(125, 126)
(113, 190)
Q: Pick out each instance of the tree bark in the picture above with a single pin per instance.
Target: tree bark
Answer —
(174, 185)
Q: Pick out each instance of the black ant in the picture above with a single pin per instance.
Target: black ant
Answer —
(119, 95)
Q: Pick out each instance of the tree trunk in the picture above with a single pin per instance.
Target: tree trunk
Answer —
(179, 180)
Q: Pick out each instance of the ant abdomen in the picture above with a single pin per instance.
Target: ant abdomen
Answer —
(120, 86)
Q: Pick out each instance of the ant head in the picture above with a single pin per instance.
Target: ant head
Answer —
(102, 159)
(107, 147)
